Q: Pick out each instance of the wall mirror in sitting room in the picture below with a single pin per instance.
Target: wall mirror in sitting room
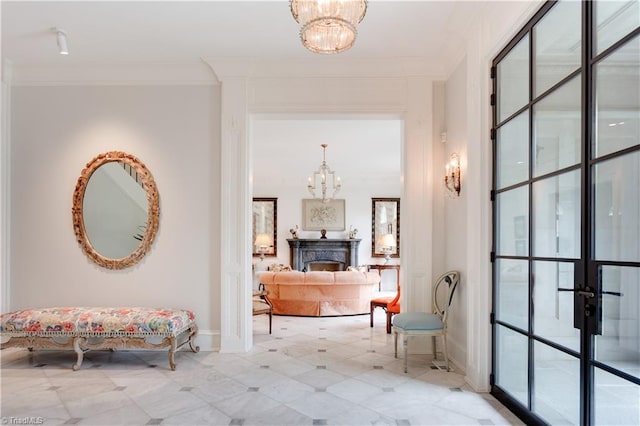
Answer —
(116, 210)
(385, 227)
(265, 227)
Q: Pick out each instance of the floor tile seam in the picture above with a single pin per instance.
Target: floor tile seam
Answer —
(177, 412)
(283, 379)
(66, 408)
(452, 410)
(279, 361)
(235, 396)
(348, 403)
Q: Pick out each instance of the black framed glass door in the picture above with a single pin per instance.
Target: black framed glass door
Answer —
(566, 215)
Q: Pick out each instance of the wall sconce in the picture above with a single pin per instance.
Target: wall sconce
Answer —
(452, 175)
(262, 243)
(387, 243)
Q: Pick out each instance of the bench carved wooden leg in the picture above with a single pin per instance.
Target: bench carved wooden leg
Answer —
(172, 351)
(79, 351)
(192, 335)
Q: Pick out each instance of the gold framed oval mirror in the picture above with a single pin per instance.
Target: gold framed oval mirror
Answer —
(116, 210)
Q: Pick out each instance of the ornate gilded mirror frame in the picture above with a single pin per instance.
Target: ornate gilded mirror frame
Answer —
(153, 210)
(385, 220)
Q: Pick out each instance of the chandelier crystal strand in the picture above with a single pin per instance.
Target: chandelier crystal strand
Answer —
(323, 174)
(328, 26)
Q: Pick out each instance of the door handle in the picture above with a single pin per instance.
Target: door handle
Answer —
(586, 292)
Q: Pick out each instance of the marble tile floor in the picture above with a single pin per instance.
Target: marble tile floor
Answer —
(310, 371)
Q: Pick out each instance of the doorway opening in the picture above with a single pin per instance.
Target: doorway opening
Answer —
(365, 151)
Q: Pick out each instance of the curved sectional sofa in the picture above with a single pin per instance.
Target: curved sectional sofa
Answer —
(320, 293)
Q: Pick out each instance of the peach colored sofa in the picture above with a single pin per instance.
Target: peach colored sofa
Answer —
(320, 293)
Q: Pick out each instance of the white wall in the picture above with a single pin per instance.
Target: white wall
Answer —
(174, 131)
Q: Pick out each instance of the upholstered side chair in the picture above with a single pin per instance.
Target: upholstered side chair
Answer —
(434, 324)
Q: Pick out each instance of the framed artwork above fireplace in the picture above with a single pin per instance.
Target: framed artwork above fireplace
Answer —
(317, 215)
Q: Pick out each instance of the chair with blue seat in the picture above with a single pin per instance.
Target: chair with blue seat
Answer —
(428, 324)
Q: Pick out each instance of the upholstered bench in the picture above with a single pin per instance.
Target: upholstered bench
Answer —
(82, 329)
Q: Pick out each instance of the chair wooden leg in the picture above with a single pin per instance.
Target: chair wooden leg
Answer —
(405, 343)
(444, 351)
(371, 308)
(433, 343)
(270, 320)
(395, 344)
(389, 314)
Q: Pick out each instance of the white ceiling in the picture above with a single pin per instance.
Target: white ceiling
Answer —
(116, 32)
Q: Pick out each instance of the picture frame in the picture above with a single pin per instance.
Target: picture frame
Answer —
(317, 215)
(385, 219)
(265, 221)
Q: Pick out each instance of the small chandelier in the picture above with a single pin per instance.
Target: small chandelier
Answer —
(323, 174)
(328, 26)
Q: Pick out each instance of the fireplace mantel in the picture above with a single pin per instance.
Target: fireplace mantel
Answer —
(305, 251)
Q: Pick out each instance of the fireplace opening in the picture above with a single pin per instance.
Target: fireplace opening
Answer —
(324, 266)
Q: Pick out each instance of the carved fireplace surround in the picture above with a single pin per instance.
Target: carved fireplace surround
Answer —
(334, 255)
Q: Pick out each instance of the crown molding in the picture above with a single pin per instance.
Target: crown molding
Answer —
(112, 74)
(213, 70)
(228, 67)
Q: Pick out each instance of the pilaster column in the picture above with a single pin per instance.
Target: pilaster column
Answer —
(417, 198)
(235, 248)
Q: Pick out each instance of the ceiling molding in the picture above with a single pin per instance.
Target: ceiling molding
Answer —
(226, 67)
(112, 74)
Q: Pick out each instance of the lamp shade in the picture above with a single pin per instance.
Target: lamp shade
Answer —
(263, 240)
(387, 240)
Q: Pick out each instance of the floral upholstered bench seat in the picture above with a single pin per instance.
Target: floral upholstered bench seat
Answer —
(85, 328)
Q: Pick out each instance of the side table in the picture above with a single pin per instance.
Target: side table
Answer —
(381, 268)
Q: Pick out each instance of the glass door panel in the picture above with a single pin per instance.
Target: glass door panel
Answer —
(617, 401)
(512, 292)
(511, 373)
(513, 87)
(556, 216)
(614, 20)
(557, 129)
(557, 45)
(512, 150)
(619, 344)
(557, 386)
(513, 211)
(553, 308)
(617, 87)
(617, 208)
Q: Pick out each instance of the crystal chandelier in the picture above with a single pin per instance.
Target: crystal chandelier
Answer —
(328, 26)
(323, 175)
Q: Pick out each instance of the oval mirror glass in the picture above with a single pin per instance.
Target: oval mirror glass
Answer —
(115, 210)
